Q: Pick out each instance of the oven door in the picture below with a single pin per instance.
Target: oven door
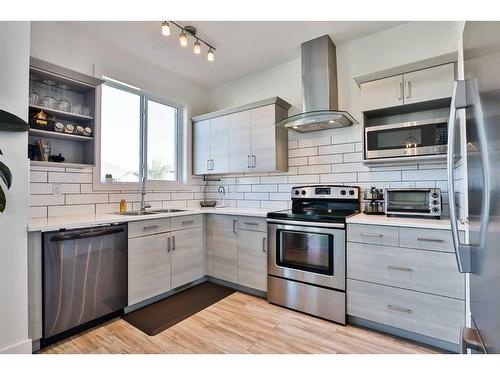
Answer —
(311, 254)
(406, 139)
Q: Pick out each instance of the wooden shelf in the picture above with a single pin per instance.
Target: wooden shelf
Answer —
(56, 135)
(39, 163)
(62, 114)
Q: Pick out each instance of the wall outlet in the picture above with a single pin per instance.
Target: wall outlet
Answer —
(57, 189)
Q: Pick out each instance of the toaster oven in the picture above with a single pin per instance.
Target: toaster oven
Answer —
(413, 202)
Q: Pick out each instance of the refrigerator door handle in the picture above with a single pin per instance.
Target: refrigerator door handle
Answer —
(462, 251)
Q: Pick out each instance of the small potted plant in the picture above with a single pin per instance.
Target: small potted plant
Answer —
(108, 178)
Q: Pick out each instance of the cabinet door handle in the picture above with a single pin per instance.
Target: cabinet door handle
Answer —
(400, 309)
(378, 235)
(250, 223)
(212, 164)
(430, 239)
(234, 226)
(254, 160)
(150, 227)
(187, 222)
(264, 241)
(408, 89)
(248, 162)
(208, 164)
(398, 268)
(400, 90)
(173, 243)
(168, 245)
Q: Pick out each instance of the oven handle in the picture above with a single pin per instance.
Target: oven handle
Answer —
(307, 223)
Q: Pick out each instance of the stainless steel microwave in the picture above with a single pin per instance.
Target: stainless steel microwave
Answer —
(414, 202)
(414, 138)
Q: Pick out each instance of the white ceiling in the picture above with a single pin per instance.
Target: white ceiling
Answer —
(242, 47)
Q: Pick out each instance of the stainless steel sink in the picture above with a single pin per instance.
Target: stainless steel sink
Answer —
(169, 210)
(137, 213)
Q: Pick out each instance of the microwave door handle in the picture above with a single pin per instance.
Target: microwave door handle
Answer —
(462, 252)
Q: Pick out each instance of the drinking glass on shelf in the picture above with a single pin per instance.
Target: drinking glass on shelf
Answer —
(48, 100)
(63, 103)
(76, 109)
(86, 111)
(34, 96)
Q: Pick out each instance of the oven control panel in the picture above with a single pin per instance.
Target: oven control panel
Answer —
(325, 192)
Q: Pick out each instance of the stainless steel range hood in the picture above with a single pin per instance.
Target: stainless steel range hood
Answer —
(319, 90)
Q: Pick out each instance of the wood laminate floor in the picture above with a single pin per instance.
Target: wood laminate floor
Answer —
(238, 324)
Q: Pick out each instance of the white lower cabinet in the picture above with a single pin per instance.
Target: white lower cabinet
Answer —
(406, 278)
(237, 255)
(252, 259)
(163, 261)
(187, 257)
(148, 267)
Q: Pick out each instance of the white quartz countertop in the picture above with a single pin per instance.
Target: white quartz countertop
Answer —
(427, 223)
(82, 221)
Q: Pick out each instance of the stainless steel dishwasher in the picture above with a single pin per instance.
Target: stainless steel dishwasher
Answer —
(84, 276)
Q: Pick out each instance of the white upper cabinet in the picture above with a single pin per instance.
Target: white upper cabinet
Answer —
(382, 93)
(242, 140)
(201, 143)
(429, 84)
(413, 87)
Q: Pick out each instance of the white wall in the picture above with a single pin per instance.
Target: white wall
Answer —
(334, 156)
(14, 44)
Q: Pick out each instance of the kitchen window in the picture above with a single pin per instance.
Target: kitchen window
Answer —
(137, 129)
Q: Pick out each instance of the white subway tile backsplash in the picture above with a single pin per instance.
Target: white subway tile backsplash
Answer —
(425, 174)
(324, 159)
(38, 176)
(46, 168)
(243, 188)
(107, 208)
(379, 176)
(298, 152)
(359, 146)
(117, 197)
(257, 196)
(336, 149)
(297, 161)
(86, 198)
(248, 204)
(80, 170)
(85, 209)
(248, 180)
(304, 179)
(82, 178)
(181, 196)
(315, 169)
(46, 200)
(274, 205)
(280, 196)
(265, 188)
(274, 179)
(338, 178)
(36, 212)
(310, 142)
(353, 157)
(349, 167)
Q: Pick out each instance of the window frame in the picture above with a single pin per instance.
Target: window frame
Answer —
(179, 144)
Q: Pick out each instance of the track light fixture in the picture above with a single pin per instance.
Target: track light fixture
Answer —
(165, 28)
(186, 32)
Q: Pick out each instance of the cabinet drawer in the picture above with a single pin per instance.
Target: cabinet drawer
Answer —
(144, 227)
(427, 239)
(374, 234)
(423, 271)
(425, 314)
(252, 223)
(184, 222)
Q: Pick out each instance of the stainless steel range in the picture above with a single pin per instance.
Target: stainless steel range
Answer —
(307, 250)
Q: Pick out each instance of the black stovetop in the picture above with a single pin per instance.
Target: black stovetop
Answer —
(328, 216)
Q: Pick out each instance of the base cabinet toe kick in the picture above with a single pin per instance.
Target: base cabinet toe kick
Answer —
(405, 281)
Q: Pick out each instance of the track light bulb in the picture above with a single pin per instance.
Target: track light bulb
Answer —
(183, 39)
(210, 55)
(197, 47)
(165, 28)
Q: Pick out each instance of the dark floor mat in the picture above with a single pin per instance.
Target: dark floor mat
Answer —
(163, 314)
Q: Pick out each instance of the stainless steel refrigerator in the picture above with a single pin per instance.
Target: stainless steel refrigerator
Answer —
(479, 96)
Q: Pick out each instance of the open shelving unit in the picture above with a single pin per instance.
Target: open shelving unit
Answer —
(78, 150)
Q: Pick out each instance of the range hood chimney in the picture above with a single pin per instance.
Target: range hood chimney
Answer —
(319, 90)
